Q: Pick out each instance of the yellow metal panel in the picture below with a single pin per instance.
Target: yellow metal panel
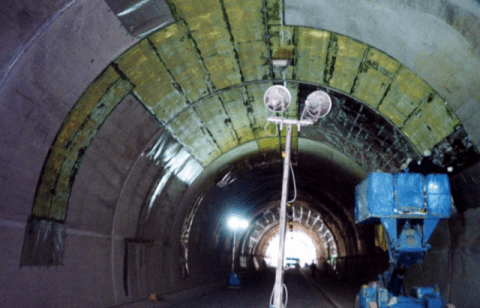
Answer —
(81, 142)
(64, 180)
(87, 101)
(245, 134)
(76, 134)
(271, 143)
(411, 85)
(235, 93)
(348, 58)
(152, 83)
(248, 32)
(246, 20)
(420, 133)
(173, 31)
(182, 60)
(210, 33)
(234, 103)
(192, 80)
(212, 38)
(214, 117)
(187, 127)
(223, 70)
(430, 124)
(274, 9)
(170, 105)
(405, 95)
(256, 93)
(61, 145)
(188, 8)
(312, 50)
(440, 117)
(206, 157)
(370, 86)
(252, 58)
(207, 26)
(382, 61)
(389, 107)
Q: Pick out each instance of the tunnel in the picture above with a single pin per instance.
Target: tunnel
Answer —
(131, 131)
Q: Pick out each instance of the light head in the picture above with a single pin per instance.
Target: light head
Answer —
(317, 105)
(277, 98)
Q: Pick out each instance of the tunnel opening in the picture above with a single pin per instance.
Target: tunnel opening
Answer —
(308, 238)
(299, 250)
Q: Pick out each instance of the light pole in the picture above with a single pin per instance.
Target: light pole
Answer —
(318, 104)
(235, 223)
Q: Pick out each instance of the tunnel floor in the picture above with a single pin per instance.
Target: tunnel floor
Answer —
(303, 292)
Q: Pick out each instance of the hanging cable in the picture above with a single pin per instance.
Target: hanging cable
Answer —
(286, 295)
(294, 185)
(266, 124)
(284, 305)
(271, 297)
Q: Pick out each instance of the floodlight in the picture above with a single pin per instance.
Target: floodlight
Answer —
(277, 98)
(317, 105)
(235, 223)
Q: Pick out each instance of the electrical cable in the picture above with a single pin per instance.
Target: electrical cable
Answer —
(271, 298)
(267, 122)
(284, 305)
(294, 185)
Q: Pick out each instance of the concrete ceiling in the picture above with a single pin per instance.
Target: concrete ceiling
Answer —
(203, 78)
(107, 106)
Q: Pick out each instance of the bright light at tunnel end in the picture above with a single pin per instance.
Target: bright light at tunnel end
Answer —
(236, 223)
(298, 245)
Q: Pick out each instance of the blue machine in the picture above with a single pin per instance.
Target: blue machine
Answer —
(409, 206)
(233, 281)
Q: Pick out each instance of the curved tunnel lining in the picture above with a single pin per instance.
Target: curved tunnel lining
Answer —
(119, 79)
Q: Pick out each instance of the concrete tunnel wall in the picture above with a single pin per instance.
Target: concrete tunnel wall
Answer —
(53, 50)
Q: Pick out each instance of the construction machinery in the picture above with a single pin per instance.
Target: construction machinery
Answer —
(409, 206)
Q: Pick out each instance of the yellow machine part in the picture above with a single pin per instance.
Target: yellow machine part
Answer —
(380, 237)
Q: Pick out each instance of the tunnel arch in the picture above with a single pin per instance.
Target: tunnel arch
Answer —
(122, 77)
